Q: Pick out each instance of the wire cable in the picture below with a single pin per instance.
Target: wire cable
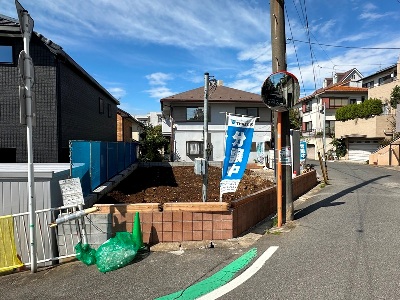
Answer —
(309, 43)
(295, 50)
(350, 47)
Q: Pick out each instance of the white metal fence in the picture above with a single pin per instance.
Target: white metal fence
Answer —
(52, 243)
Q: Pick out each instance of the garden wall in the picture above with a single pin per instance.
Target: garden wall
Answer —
(177, 222)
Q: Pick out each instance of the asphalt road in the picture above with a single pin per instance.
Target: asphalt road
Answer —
(343, 244)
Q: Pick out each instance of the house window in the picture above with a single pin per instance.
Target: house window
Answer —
(196, 114)
(338, 102)
(6, 54)
(369, 84)
(101, 106)
(380, 81)
(329, 127)
(109, 110)
(308, 106)
(247, 111)
(353, 101)
(308, 126)
(194, 148)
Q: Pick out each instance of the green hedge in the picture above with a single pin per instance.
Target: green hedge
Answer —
(365, 110)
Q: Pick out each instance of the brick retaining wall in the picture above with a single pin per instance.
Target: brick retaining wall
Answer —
(175, 224)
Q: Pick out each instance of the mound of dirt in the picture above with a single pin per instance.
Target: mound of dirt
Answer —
(180, 184)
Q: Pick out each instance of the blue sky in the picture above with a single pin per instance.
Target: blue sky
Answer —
(142, 51)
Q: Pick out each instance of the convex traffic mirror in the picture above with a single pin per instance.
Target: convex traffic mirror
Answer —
(280, 91)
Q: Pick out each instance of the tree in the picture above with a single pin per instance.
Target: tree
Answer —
(294, 117)
(339, 147)
(395, 96)
(152, 143)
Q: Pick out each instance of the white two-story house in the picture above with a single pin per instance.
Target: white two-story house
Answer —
(183, 121)
(318, 109)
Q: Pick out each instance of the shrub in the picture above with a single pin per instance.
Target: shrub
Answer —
(365, 110)
(339, 146)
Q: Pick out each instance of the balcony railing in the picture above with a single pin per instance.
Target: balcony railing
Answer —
(329, 131)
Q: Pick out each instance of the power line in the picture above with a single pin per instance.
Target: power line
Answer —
(309, 42)
(295, 49)
(348, 47)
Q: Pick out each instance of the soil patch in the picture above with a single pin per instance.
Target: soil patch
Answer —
(180, 184)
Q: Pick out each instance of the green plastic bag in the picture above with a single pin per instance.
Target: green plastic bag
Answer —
(116, 252)
(85, 254)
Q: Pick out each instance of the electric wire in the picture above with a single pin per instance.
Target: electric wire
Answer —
(295, 50)
(350, 47)
(309, 43)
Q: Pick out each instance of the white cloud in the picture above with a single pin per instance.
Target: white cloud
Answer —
(247, 85)
(158, 83)
(373, 16)
(259, 53)
(159, 92)
(326, 27)
(169, 22)
(158, 78)
(117, 92)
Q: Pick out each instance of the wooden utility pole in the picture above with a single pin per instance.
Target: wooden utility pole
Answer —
(282, 123)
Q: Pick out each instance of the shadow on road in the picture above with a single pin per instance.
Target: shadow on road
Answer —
(298, 214)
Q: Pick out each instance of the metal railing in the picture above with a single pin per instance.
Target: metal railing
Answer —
(52, 243)
(329, 131)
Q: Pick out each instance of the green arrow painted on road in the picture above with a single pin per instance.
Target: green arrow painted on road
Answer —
(215, 281)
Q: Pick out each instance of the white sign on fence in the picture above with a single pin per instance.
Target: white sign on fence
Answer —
(71, 191)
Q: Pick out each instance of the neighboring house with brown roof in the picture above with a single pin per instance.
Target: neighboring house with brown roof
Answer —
(363, 136)
(318, 109)
(183, 121)
(128, 128)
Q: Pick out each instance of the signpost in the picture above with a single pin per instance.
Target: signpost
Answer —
(25, 67)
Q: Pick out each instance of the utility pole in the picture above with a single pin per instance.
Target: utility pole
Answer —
(282, 122)
(205, 136)
(25, 66)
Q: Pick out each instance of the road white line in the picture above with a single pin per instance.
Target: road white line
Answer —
(253, 269)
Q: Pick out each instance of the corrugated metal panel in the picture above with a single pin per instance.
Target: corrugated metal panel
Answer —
(14, 186)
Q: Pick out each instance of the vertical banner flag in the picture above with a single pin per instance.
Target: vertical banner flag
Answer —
(303, 154)
(260, 146)
(239, 136)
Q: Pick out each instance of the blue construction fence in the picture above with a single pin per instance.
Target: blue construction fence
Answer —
(95, 162)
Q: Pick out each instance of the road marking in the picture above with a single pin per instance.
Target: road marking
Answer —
(253, 269)
(218, 284)
(215, 281)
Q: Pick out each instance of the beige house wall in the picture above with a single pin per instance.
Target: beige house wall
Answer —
(383, 91)
(387, 156)
(369, 128)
